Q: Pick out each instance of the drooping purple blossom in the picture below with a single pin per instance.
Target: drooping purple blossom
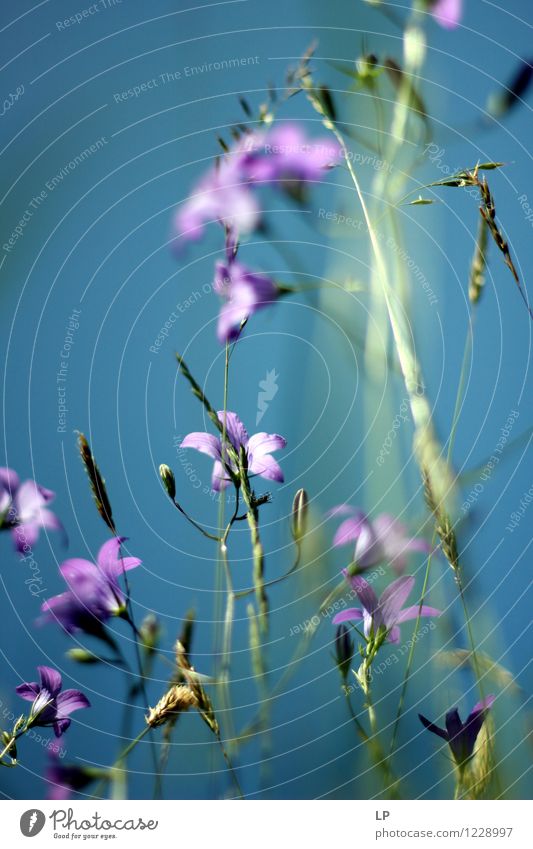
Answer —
(227, 193)
(64, 779)
(94, 593)
(376, 540)
(448, 13)
(51, 707)
(258, 447)
(244, 292)
(382, 616)
(461, 737)
(23, 509)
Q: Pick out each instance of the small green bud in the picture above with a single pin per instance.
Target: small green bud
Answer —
(82, 656)
(169, 482)
(299, 515)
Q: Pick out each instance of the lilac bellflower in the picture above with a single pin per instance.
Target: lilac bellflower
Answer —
(461, 737)
(244, 292)
(94, 594)
(377, 540)
(258, 447)
(23, 509)
(50, 706)
(382, 616)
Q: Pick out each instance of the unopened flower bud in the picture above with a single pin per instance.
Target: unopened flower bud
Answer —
(344, 648)
(169, 482)
(299, 515)
(82, 656)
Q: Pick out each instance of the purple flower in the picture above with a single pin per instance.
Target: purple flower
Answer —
(227, 192)
(383, 616)
(63, 779)
(244, 291)
(224, 194)
(51, 707)
(383, 538)
(286, 154)
(447, 13)
(258, 450)
(23, 509)
(94, 594)
(460, 737)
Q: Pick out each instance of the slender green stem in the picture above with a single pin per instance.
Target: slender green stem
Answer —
(194, 523)
(376, 752)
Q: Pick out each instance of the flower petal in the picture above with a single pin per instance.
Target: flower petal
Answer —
(365, 594)
(475, 720)
(394, 635)
(484, 704)
(350, 615)
(393, 597)
(29, 499)
(454, 726)
(60, 726)
(206, 443)
(25, 535)
(28, 691)
(341, 510)
(412, 612)
(349, 530)
(9, 480)
(267, 468)
(109, 559)
(265, 443)
(235, 430)
(69, 701)
(440, 732)
(50, 679)
(368, 549)
(219, 478)
(447, 13)
(80, 574)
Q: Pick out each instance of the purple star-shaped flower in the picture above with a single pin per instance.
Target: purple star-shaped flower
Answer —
(461, 737)
(384, 614)
(51, 707)
(383, 538)
(258, 450)
(94, 594)
(448, 13)
(245, 291)
(23, 509)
